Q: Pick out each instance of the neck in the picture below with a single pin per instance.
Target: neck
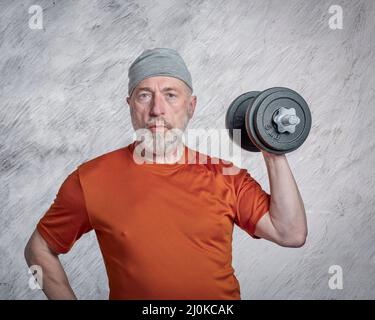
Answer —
(174, 156)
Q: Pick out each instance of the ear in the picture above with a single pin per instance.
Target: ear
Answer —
(128, 100)
(191, 107)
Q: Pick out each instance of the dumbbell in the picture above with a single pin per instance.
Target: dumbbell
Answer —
(276, 120)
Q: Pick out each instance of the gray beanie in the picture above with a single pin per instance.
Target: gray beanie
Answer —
(158, 62)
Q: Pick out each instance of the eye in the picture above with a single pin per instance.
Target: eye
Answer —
(143, 95)
(171, 95)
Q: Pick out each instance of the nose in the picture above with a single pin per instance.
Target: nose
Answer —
(157, 107)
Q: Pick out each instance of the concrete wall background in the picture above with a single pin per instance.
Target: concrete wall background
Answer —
(62, 102)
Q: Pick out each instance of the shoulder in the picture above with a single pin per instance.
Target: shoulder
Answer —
(105, 161)
(220, 166)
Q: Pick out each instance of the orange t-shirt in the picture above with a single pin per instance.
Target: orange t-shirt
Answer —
(164, 230)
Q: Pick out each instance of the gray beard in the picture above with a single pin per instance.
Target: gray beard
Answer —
(163, 145)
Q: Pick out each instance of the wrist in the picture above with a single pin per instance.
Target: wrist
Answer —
(272, 157)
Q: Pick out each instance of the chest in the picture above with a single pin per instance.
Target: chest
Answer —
(198, 207)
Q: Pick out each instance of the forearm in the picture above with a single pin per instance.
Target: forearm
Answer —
(55, 282)
(287, 210)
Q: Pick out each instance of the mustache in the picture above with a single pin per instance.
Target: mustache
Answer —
(159, 122)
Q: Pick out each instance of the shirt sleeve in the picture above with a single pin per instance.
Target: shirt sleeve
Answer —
(252, 202)
(67, 219)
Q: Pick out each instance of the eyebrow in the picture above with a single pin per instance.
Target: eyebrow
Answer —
(163, 90)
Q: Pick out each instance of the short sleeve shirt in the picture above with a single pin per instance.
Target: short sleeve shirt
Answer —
(164, 230)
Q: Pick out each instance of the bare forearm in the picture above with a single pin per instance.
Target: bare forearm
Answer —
(287, 210)
(55, 282)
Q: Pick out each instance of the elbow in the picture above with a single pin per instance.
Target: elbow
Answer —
(27, 253)
(32, 251)
(297, 240)
(37, 250)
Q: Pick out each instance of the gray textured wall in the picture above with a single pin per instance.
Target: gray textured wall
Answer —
(62, 102)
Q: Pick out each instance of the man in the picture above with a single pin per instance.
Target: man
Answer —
(164, 227)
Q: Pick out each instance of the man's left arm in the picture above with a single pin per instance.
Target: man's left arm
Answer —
(285, 223)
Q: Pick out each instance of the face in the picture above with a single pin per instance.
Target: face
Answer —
(161, 103)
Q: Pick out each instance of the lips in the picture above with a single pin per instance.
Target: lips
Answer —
(154, 128)
(157, 125)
